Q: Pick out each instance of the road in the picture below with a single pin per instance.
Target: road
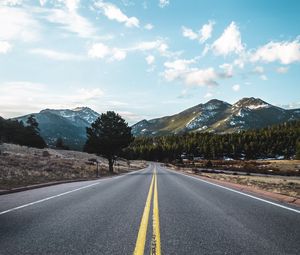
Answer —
(154, 209)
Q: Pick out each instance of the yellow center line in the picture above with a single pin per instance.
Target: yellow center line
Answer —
(156, 247)
(141, 239)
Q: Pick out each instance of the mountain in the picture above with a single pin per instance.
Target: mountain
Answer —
(68, 124)
(218, 117)
(214, 116)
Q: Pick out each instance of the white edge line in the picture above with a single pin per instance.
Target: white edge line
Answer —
(236, 191)
(67, 192)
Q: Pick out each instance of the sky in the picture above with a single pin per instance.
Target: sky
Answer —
(146, 58)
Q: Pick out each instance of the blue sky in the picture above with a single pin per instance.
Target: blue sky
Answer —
(146, 59)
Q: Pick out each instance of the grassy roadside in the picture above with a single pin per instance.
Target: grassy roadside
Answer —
(272, 167)
(22, 166)
(283, 185)
(288, 187)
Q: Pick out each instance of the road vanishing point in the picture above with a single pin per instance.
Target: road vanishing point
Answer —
(151, 211)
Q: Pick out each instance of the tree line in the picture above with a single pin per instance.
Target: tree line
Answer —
(110, 136)
(271, 142)
(13, 131)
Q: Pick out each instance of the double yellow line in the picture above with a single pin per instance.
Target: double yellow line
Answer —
(142, 235)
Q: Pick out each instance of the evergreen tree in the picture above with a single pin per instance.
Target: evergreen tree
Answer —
(298, 150)
(107, 136)
(59, 144)
(31, 121)
(12, 131)
(270, 142)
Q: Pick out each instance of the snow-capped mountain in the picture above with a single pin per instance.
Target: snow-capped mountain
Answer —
(218, 117)
(214, 116)
(68, 124)
(79, 116)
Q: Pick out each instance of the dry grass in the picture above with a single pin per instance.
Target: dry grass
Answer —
(289, 187)
(21, 166)
(278, 167)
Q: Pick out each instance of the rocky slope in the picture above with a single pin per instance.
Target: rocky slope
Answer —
(218, 117)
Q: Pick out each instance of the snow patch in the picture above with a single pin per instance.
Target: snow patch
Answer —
(259, 106)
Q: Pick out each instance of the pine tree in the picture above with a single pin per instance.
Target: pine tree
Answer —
(31, 121)
(298, 150)
(107, 136)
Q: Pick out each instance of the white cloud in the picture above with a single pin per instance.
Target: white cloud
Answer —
(72, 5)
(43, 2)
(118, 54)
(163, 3)
(98, 50)
(17, 24)
(285, 52)
(189, 33)
(180, 69)
(83, 95)
(203, 35)
(18, 97)
(149, 45)
(55, 55)
(102, 51)
(158, 45)
(202, 77)
(71, 21)
(150, 59)
(229, 42)
(228, 70)
(259, 70)
(112, 12)
(4, 47)
(236, 87)
(282, 69)
(177, 69)
(240, 62)
(263, 77)
(206, 31)
(22, 97)
(149, 26)
(11, 2)
(179, 64)
(205, 50)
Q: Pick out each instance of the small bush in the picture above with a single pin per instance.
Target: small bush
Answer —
(46, 154)
(209, 164)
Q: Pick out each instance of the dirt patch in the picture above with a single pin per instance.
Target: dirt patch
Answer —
(22, 166)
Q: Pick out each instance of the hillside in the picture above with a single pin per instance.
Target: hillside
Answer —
(70, 125)
(22, 166)
(218, 117)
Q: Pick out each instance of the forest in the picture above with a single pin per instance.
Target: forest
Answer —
(13, 131)
(279, 141)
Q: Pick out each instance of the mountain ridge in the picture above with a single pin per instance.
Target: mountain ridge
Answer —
(68, 124)
(215, 116)
(218, 117)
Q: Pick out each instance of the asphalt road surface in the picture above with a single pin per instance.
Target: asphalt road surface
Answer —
(153, 211)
